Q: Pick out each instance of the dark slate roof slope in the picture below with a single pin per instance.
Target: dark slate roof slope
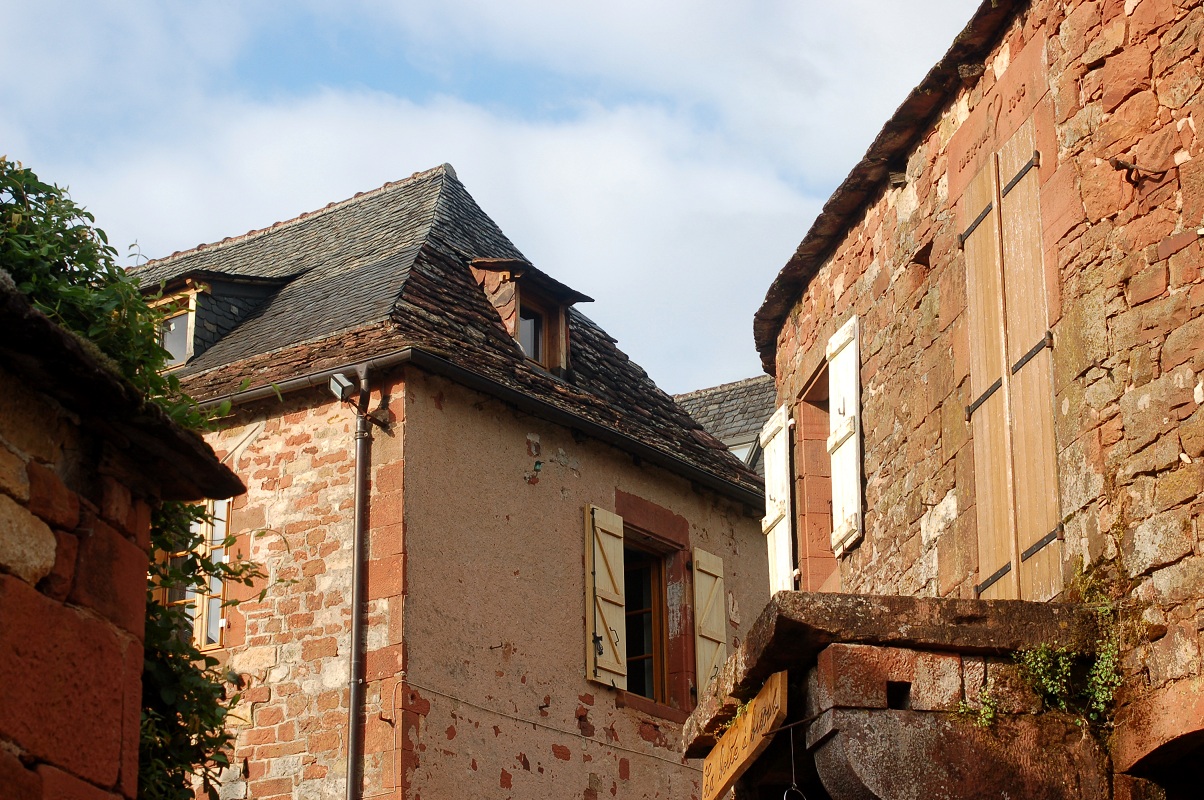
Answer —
(388, 270)
(732, 412)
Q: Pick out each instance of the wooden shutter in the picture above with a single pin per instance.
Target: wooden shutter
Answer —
(776, 524)
(710, 617)
(844, 441)
(1030, 364)
(988, 412)
(605, 623)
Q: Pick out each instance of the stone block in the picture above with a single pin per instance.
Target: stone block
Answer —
(1176, 655)
(1127, 125)
(18, 782)
(1151, 282)
(855, 675)
(1191, 184)
(1124, 74)
(50, 499)
(1156, 542)
(27, 545)
(937, 683)
(1146, 412)
(14, 480)
(77, 726)
(1011, 692)
(1179, 486)
(1081, 339)
(1178, 583)
(1148, 16)
(110, 576)
(57, 584)
(1183, 346)
(1081, 473)
(59, 785)
(1191, 433)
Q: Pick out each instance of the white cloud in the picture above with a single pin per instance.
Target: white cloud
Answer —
(674, 210)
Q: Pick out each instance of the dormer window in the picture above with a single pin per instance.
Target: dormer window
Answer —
(175, 338)
(533, 307)
(177, 331)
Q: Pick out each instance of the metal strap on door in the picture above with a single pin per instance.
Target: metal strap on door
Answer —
(995, 576)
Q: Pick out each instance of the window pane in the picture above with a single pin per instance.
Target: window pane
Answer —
(213, 631)
(217, 534)
(174, 337)
(530, 333)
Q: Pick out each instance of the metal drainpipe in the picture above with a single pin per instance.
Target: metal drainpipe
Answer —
(355, 682)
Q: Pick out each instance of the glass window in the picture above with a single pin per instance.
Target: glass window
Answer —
(644, 589)
(173, 337)
(205, 612)
(530, 333)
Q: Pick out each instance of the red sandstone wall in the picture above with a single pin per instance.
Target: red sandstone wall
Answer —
(475, 589)
(1123, 267)
(73, 557)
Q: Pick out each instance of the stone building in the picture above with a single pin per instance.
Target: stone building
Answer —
(82, 461)
(471, 503)
(988, 352)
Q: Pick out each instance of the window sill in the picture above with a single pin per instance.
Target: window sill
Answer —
(644, 705)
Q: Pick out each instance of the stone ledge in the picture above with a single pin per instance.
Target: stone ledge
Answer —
(796, 626)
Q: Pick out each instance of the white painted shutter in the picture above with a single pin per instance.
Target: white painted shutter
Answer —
(844, 443)
(776, 525)
(605, 622)
(710, 617)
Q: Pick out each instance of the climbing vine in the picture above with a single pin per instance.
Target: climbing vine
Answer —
(67, 269)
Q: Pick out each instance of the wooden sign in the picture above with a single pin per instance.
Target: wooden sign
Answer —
(745, 739)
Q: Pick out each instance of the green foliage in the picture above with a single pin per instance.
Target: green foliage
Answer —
(986, 712)
(66, 268)
(1083, 684)
(1047, 670)
(185, 697)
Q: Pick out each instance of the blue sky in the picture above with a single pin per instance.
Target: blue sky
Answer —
(664, 158)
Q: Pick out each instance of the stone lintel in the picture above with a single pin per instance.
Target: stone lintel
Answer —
(796, 626)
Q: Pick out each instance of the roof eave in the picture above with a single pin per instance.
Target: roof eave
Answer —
(898, 136)
(541, 408)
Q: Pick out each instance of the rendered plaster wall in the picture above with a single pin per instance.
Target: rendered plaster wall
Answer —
(497, 704)
(73, 557)
(1123, 270)
(296, 458)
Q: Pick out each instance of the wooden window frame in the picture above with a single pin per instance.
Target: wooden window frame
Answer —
(635, 544)
(202, 601)
(553, 343)
(173, 305)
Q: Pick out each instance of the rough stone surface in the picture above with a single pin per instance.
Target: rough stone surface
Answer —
(796, 626)
(27, 544)
(1104, 86)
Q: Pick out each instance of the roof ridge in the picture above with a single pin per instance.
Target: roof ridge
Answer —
(721, 387)
(442, 169)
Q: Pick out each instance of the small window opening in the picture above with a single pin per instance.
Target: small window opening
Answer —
(173, 337)
(530, 333)
(205, 609)
(645, 603)
(898, 695)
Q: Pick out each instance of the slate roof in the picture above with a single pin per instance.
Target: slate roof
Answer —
(732, 412)
(387, 271)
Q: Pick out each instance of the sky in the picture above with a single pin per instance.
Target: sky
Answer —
(665, 158)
